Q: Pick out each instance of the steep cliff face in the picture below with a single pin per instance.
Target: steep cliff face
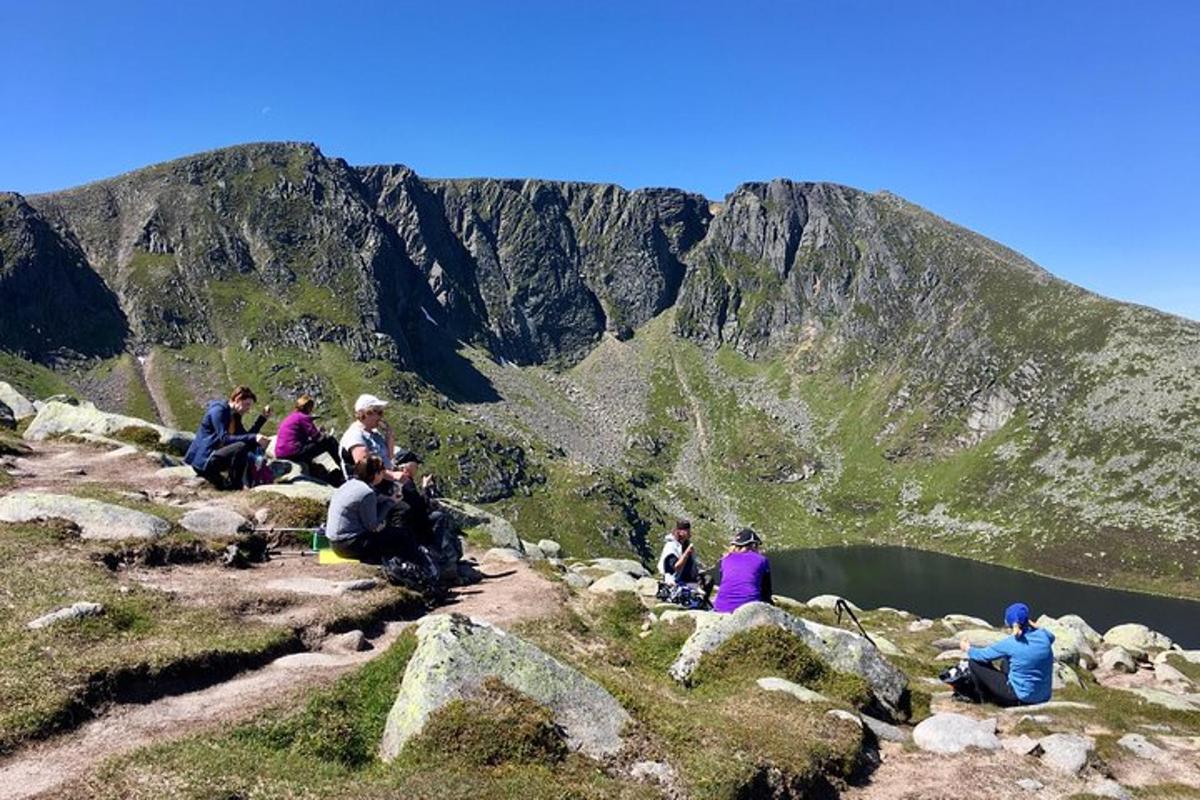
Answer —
(54, 306)
(537, 270)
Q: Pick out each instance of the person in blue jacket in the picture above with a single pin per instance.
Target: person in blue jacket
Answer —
(1027, 664)
(222, 447)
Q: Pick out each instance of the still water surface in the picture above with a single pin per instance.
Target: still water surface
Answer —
(931, 584)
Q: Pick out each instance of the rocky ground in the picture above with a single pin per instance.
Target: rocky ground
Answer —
(137, 665)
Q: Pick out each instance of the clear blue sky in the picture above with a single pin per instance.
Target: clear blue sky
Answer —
(1067, 130)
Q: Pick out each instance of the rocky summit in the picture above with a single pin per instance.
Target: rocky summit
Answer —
(823, 363)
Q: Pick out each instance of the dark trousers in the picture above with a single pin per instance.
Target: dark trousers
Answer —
(231, 460)
(306, 454)
(988, 685)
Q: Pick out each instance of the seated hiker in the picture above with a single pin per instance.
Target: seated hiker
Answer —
(356, 524)
(1026, 659)
(223, 447)
(369, 435)
(418, 511)
(684, 582)
(745, 574)
(300, 440)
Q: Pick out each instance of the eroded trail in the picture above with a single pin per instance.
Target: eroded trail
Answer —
(512, 593)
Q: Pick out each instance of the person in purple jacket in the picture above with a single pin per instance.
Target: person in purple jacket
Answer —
(300, 440)
(745, 574)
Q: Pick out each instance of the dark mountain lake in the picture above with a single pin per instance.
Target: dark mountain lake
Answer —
(931, 584)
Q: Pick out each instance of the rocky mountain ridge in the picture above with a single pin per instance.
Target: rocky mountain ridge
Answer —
(822, 362)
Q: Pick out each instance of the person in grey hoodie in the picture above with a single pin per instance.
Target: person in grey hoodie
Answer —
(356, 525)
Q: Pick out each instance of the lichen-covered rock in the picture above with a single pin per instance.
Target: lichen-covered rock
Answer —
(830, 601)
(456, 654)
(16, 402)
(1078, 623)
(307, 489)
(1118, 659)
(1071, 645)
(57, 419)
(957, 621)
(474, 520)
(613, 583)
(532, 551)
(1142, 747)
(215, 521)
(954, 733)
(625, 565)
(75, 611)
(1139, 640)
(96, 520)
(550, 548)
(1066, 752)
(841, 649)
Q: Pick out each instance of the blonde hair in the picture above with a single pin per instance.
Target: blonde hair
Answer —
(304, 403)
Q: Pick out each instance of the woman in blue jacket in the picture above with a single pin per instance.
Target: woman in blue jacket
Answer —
(1028, 676)
(223, 446)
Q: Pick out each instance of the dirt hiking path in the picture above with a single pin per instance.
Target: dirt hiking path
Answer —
(516, 594)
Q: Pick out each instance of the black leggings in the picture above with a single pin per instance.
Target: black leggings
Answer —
(373, 547)
(306, 454)
(989, 685)
(231, 458)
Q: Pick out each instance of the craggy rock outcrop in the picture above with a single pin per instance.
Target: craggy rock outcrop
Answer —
(16, 402)
(55, 305)
(841, 649)
(456, 655)
(96, 520)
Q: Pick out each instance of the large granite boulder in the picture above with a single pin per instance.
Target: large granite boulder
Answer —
(96, 520)
(626, 565)
(840, 649)
(499, 531)
(1066, 752)
(1071, 645)
(17, 402)
(57, 419)
(1139, 640)
(1118, 659)
(1089, 634)
(613, 583)
(455, 655)
(954, 733)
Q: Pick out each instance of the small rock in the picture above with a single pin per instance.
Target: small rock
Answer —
(215, 521)
(1137, 639)
(1171, 677)
(348, 642)
(801, 693)
(532, 551)
(1142, 747)
(952, 733)
(885, 646)
(976, 637)
(885, 731)
(552, 549)
(504, 554)
(303, 488)
(1118, 659)
(957, 621)
(918, 625)
(647, 587)
(625, 565)
(1030, 785)
(1064, 676)
(1066, 752)
(576, 581)
(830, 601)
(616, 582)
(76, 611)
(1020, 745)
(262, 515)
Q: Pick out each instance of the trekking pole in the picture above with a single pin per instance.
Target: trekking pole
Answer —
(842, 605)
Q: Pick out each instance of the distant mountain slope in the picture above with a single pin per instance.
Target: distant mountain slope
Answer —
(825, 363)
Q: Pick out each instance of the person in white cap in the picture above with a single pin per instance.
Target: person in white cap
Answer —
(369, 435)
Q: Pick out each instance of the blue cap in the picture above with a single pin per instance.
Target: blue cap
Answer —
(1017, 614)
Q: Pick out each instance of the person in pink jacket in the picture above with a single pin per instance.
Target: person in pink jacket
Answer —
(300, 440)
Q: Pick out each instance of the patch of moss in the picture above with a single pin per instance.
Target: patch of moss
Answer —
(497, 725)
(770, 651)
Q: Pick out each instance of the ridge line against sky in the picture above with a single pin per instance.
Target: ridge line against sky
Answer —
(1067, 132)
